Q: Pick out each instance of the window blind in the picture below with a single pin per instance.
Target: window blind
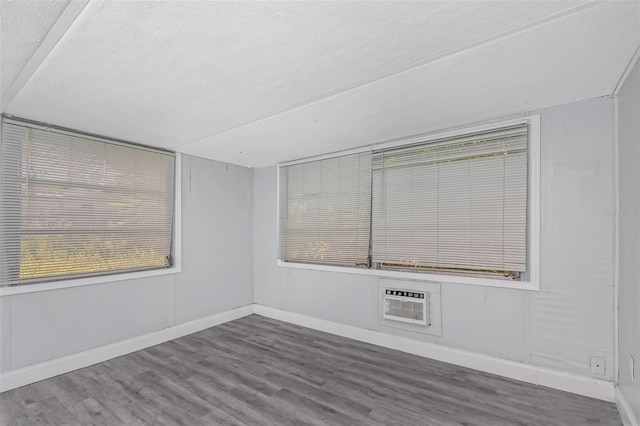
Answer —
(325, 211)
(456, 205)
(73, 206)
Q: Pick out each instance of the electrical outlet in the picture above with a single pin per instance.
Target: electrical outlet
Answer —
(597, 365)
(632, 367)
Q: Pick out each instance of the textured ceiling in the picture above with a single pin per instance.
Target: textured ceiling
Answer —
(254, 83)
(23, 26)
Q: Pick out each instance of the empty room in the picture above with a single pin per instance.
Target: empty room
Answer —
(319, 213)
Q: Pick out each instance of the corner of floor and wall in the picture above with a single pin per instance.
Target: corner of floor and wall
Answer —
(549, 337)
(229, 247)
(50, 332)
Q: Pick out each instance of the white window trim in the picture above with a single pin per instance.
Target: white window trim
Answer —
(533, 212)
(102, 279)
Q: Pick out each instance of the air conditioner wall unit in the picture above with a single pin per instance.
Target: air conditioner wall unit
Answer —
(407, 306)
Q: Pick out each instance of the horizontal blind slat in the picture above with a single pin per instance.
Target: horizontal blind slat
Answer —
(325, 211)
(457, 203)
(75, 206)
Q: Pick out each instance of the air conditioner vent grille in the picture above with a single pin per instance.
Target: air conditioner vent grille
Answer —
(406, 306)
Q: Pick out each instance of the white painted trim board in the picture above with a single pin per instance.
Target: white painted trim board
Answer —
(626, 414)
(34, 373)
(594, 388)
(73, 9)
(627, 71)
(580, 385)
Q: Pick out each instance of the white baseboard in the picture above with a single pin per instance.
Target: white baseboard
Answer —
(594, 388)
(626, 414)
(34, 373)
(580, 385)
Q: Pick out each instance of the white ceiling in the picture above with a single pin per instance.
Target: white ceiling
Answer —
(23, 27)
(255, 83)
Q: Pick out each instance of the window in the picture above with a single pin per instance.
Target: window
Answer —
(458, 206)
(325, 214)
(76, 206)
(455, 205)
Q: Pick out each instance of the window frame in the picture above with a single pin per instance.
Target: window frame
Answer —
(530, 280)
(117, 276)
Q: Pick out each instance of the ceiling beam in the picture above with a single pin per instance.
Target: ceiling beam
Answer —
(626, 72)
(68, 16)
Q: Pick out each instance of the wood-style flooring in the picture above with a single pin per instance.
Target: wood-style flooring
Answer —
(258, 371)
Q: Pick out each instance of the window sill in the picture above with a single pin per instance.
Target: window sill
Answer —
(451, 279)
(82, 282)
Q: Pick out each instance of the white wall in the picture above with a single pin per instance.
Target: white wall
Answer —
(560, 327)
(216, 276)
(629, 237)
(229, 240)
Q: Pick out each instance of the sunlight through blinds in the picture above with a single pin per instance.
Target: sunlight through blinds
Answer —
(325, 211)
(454, 205)
(74, 206)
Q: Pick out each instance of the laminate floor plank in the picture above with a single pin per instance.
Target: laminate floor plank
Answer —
(261, 372)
